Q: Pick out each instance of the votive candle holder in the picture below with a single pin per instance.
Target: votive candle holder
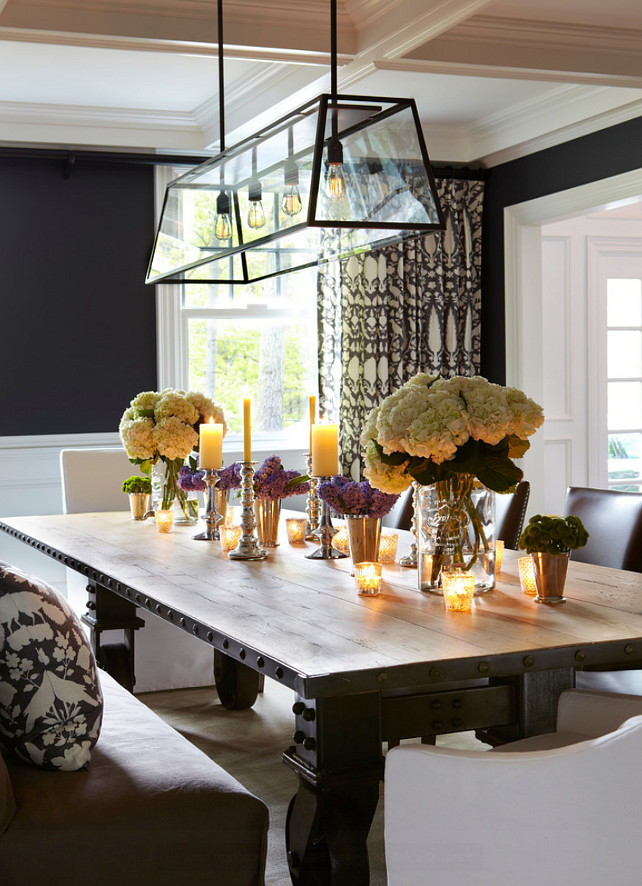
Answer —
(527, 576)
(296, 528)
(387, 547)
(368, 578)
(458, 588)
(164, 519)
(230, 536)
(340, 540)
(499, 555)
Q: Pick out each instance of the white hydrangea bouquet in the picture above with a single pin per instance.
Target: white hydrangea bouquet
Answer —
(450, 435)
(164, 426)
(433, 428)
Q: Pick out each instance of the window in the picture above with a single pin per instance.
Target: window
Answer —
(624, 382)
(258, 340)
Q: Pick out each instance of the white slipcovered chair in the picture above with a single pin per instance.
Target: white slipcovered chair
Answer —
(561, 809)
(165, 657)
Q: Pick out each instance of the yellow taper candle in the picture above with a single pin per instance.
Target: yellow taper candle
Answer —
(313, 410)
(325, 450)
(247, 430)
(210, 448)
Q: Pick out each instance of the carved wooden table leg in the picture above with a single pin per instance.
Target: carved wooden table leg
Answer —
(337, 758)
(236, 683)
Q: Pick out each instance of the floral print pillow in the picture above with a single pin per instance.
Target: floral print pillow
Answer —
(50, 699)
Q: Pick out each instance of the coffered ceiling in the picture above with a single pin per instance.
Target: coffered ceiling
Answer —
(493, 79)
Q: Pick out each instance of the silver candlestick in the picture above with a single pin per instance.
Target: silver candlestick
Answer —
(411, 558)
(248, 547)
(325, 533)
(211, 516)
(313, 509)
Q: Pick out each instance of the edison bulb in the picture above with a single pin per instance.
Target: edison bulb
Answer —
(335, 183)
(256, 215)
(223, 227)
(291, 203)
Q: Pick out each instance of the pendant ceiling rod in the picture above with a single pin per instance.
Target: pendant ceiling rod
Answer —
(333, 50)
(221, 89)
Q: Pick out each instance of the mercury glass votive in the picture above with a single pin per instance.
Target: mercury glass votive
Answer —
(164, 519)
(230, 536)
(459, 588)
(296, 529)
(368, 578)
(340, 540)
(499, 555)
(388, 547)
(527, 576)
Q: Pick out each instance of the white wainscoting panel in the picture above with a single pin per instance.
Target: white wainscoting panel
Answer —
(30, 484)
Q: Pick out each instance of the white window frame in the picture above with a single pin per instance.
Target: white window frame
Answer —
(172, 333)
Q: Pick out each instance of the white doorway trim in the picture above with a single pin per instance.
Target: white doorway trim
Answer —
(523, 290)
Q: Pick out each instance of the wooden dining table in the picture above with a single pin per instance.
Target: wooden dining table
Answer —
(363, 670)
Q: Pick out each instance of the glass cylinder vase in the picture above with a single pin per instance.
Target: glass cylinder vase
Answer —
(267, 513)
(364, 535)
(456, 528)
(166, 493)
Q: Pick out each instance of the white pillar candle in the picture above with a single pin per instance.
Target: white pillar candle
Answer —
(211, 446)
(247, 430)
(325, 450)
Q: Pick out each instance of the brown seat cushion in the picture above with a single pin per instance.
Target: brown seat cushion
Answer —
(151, 808)
(7, 799)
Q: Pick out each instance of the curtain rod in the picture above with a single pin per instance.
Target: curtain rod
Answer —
(71, 156)
(463, 172)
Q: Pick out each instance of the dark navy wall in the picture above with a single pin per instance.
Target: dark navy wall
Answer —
(593, 157)
(77, 322)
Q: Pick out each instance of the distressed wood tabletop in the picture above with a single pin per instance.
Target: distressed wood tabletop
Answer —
(305, 618)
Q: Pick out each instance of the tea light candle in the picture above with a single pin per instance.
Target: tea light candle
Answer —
(164, 520)
(340, 540)
(210, 449)
(230, 536)
(368, 578)
(458, 587)
(388, 547)
(296, 529)
(247, 430)
(499, 555)
(325, 450)
(527, 575)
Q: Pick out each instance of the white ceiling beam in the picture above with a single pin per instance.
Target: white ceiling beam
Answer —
(549, 51)
(401, 27)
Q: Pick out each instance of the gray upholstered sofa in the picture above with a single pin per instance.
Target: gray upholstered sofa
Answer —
(149, 809)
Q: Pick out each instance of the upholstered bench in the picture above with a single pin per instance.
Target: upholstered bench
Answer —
(145, 807)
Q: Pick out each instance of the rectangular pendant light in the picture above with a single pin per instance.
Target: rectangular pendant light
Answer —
(269, 201)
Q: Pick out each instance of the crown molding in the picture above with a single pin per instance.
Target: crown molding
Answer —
(544, 35)
(564, 105)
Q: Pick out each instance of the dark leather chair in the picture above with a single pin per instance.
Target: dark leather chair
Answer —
(614, 522)
(400, 516)
(510, 511)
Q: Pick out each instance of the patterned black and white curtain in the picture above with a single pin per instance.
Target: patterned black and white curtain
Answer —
(407, 308)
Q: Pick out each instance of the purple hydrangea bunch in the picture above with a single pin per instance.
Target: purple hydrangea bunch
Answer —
(230, 477)
(272, 481)
(347, 496)
(190, 479)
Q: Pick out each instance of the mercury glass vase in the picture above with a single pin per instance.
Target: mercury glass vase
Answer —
(364, 535)
(267, 513)
(456, 528)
